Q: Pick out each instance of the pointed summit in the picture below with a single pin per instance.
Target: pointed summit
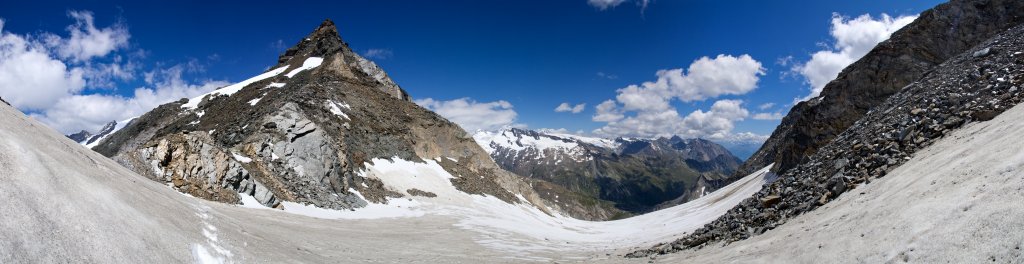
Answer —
(324, 40)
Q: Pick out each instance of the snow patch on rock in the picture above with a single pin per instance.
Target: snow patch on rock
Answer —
(309, 63)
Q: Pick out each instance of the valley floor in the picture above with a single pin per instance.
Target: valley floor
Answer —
(958, 201)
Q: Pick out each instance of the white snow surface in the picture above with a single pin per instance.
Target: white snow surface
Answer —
(275, 85)
(956, 201)
(309, 63)
(234, 88)
(524, 227)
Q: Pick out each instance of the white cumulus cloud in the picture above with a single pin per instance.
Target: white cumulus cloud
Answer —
(705, 78)
(90, 112)
(853, 38)
(645, 110)
(566, 107)
(47, 75)
(472, 115)
(86, 41)
(716, 124)
(607, 111)
(29, 77)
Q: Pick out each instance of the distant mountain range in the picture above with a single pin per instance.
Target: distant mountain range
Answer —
(638, 175)
(89, 139)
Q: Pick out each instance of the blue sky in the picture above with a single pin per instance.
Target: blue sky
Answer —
(514, 61)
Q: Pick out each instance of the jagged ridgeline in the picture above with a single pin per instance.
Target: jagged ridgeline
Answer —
(303, 131)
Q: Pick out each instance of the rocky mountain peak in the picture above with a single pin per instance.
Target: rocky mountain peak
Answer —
(80, 136)
(305, 131)
(325, 46)
(323, 41)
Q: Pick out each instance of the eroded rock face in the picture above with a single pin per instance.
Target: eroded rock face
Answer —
(190, 164)
(937, 35)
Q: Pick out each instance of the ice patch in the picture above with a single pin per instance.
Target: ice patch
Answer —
(309, 63)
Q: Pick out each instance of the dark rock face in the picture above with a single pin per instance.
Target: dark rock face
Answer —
(305, 136)
(636, 175)
(81, 136)
(976, 85)
(937, 35)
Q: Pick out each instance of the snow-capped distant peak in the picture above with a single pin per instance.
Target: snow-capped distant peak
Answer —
(600, 142)
(107, 130)
(532, 144)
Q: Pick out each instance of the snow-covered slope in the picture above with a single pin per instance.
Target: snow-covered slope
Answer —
(956, 201)
(65, 203)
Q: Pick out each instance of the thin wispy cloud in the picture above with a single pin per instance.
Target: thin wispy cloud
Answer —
(378, 54)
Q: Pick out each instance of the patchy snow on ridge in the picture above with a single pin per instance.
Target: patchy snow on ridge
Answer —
(600, 142)
(508, 139)
(234, 88)
(275, 85)
(309, 63)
